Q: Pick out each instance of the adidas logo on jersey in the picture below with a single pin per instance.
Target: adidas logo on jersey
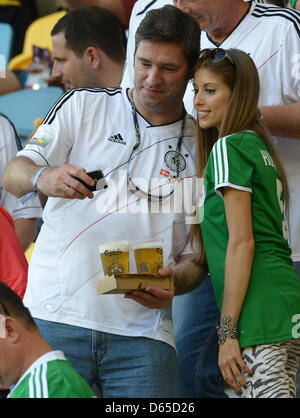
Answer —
(117, 138)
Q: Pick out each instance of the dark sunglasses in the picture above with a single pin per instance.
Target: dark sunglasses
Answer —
(216, 54)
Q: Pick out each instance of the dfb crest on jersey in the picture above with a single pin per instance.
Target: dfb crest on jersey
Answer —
(171, 163)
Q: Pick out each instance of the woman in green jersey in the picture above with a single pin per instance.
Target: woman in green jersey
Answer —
(241, 211)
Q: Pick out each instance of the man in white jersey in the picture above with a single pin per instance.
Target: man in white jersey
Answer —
(196, 377)
(26, 359)
(95, 59)
(24, 216)
(133, 136)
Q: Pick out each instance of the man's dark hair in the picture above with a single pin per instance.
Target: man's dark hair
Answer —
(169, 24)
(11, 305)
(93, 26)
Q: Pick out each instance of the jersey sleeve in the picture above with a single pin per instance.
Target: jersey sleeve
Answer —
(290, 66)
(52, 141)
(230, 165)
(8, 151)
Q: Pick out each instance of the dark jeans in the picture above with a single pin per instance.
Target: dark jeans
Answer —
(116, 366)
(194, 317)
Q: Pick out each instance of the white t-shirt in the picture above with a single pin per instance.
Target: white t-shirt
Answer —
(8, 150)
(94, 129)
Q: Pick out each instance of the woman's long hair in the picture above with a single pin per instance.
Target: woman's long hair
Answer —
(239, 73)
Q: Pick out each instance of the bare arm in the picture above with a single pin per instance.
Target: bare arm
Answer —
(238, 265)
(9, 83)
(283, 120)
(240, 251)
(26, 229)
(189, 275)
(53, 182)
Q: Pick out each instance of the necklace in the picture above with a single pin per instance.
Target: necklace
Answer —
(137, 144)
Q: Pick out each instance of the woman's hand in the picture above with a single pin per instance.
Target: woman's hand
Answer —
(232, 364)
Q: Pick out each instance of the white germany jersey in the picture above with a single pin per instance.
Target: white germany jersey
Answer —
(271, 36)
(9, 146)
(94, 129)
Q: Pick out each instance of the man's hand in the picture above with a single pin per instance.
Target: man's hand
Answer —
(54, 181)
(61, 182)
(153, 297)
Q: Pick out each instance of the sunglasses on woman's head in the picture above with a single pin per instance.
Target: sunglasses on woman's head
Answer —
(216, 54)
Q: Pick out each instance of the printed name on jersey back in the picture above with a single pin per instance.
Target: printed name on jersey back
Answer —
(267, 158)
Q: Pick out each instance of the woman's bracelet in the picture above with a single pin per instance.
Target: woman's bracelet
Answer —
(225, 329)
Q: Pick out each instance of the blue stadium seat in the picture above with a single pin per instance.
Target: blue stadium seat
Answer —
(6, 39)
(22, 107)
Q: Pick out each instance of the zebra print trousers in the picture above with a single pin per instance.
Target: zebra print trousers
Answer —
(274, 368)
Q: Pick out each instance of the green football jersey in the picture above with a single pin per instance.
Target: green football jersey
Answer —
(243, 161)
(52, 376)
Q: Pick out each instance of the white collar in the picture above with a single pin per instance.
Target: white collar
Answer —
(45, 358)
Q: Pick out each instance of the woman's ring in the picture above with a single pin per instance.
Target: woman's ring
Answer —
(66, 189)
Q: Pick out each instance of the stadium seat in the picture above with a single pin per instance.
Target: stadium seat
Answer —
(22, 107)
(6, 40)
(37, 34)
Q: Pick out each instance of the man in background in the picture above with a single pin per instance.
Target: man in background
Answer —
(24, 216)
(26, 359)
(121, 8)
(89, 47)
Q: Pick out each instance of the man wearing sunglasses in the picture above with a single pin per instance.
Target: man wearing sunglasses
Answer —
(122, 344)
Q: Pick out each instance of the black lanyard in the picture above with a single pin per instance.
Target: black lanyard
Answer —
(138, 142)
